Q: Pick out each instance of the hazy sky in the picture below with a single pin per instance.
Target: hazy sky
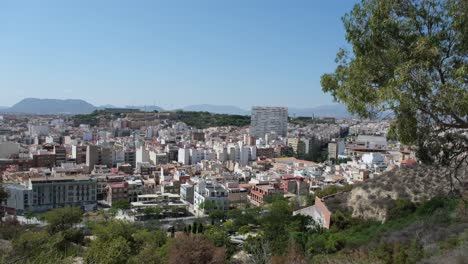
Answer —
(171, 53)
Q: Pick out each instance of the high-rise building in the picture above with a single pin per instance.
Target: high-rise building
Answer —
(269, 119)
(60, 155)
(79, 154)
(130, 157)
(98, 155)
(298, 145)
(142, 155)
(184, 156)
(336, 148)
(198, 135)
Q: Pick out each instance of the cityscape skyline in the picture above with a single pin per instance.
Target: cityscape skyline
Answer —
(208, 52)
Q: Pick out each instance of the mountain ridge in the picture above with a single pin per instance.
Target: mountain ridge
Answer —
(79, 106)
(331, 110)
(51, 106)
(217, 109)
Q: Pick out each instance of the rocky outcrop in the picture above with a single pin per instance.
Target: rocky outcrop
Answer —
(374, 199)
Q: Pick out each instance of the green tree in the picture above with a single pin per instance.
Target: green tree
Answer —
(244, 217)
(172, 229)
(145, 238)
(62, 219)
(114, 251)
(3, 197)
(200, 228)
(274, 226)
(30, 243)
(220, 238)
(244, 230)
(415, 251)
(152, 211)
(121, 205)
(217, 235)
(310, 199)
(115, 242)
(273, 198)
(113, 229)
(217, 215)
(410, 58)
(29, 215)
(3, 194)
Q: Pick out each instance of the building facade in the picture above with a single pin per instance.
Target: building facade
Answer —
(267, 120)
(42, 194)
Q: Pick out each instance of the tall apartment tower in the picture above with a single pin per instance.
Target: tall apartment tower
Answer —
(98, 155)
(268, 119)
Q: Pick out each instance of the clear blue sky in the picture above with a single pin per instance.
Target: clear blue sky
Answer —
(172, 53)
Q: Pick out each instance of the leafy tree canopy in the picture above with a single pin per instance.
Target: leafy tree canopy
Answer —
(62, 219)
(410, 58)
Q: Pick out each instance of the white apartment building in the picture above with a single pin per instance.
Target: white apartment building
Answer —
(184, 156)
(8, 148)
(38, 130)
(269, 119)
(142, 155)
(210, 196)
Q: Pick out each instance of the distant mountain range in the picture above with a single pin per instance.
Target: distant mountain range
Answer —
(77, 106)
(332, 110)
(147, 108)
(217, 109)
(58, 106)
(51, 106)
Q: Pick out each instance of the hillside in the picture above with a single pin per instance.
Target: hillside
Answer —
(375, 198)
(51, 106)
(216, 109)
(67, 106)
(198, 120)
(145, 108)
(203, 120)
(332, 110)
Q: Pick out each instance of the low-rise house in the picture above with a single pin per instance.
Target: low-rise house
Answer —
(187, 192)
(294, 184)
(236, 194)
(117, 191)
(319, 213)
(259, 193)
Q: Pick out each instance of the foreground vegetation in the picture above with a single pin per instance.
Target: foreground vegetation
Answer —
(274, 235)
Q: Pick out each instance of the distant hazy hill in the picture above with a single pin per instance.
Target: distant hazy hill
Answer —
(217, 109)
(106, 106)
(52, 106)
(332, 110)
(77, 106)
(68, 106)
(147, 108)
